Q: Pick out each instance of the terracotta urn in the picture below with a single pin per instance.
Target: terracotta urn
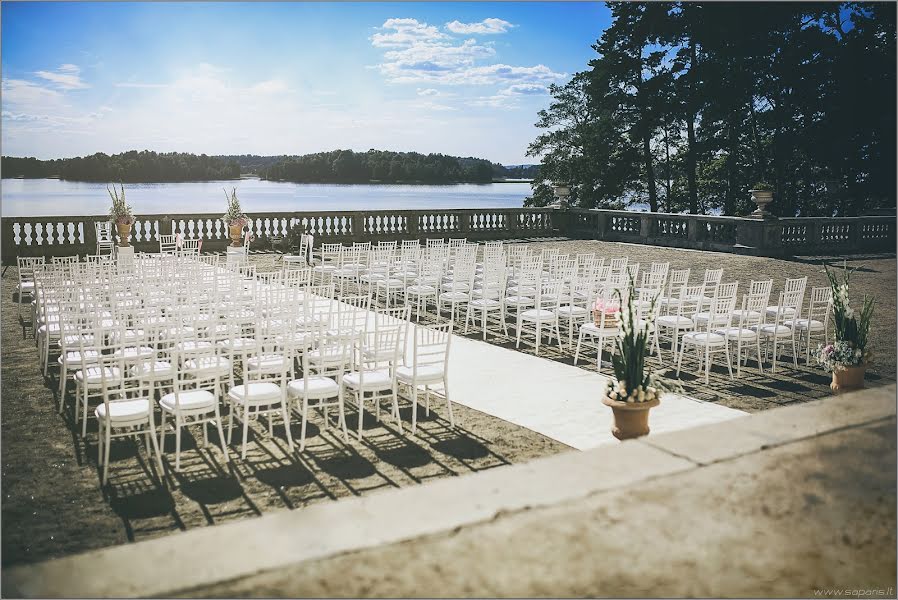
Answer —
(631, 420)
(124, 234)
(235, 232)
(846, 379)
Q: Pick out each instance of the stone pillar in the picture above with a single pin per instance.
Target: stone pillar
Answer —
(601, 225)
(464, 224)
(358, 226)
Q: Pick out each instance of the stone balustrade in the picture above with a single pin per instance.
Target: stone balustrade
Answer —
(60, 236)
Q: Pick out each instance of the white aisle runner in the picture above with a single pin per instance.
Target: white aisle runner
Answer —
(557, 400)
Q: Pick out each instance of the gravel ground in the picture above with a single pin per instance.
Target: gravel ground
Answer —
(53, 504)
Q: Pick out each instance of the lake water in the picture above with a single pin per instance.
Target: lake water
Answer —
(51, 197)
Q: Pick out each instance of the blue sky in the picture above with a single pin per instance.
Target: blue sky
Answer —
(286, 78)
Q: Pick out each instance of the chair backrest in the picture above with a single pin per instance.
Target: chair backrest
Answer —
(297, 275)
(618, 264)
(676, 280)
(103, 230)
(530, 274)
(430, 346)
(337, 351)
(351, 315)
(720, 314)
(789, 305)
(726, 290)
(549, 294)
(762, 287)
(167, 244)
(819, 306)
(752, 310)
(690, 300)
(712, 278)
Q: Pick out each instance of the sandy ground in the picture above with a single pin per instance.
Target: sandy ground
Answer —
(53, 505)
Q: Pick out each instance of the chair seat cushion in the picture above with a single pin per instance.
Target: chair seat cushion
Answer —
(804, 324)
(268, 362)
(207, 366)
(772, 310)
(422, 290)
(375, 380)
(257, 392)
(453, 296)
(188, 400)
(592, 328)
(238, 343)
(703, 317)
(135, 352)
(701, 338)
(519, 301)
(90, 356)
(157, 369)
(124, 410)
(746, 315)
(735, 333)
(426, 373)
(484, 303)
(573, 310)
(537, 314)
(95, 375)
(771, 330)
(318, 387)
(674, 321)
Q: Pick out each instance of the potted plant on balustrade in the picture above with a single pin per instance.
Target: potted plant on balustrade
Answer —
(847, 358)
(633, 392)
(235, 219)
(120, 214)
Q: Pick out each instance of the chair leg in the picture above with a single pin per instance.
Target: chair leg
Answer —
(177, 442)
(342, 407)
(108, 443)
(360, 398)
(448, 401)
(414, 408)
(245, 432)
(302, 427)
(577, 351)
(221, 437)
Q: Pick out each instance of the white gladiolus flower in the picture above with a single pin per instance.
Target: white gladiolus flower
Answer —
(630, 399)
(613, 395)
(641, 396)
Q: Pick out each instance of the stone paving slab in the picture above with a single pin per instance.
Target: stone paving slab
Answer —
(557, 400)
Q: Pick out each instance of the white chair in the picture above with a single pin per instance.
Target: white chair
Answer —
(127, 409)
(268, 369)
(194, 399)
(817, 320)
(684, 307)
(424, 287)
(489, 297)
(429, 368)
(168, 244)
(321, 387)
(799, 285)
(103, 231)
(576, 309)
(605, 330)
(374, 378)
(743, 328)
(543, 316)
(705, 339)
(773, 333)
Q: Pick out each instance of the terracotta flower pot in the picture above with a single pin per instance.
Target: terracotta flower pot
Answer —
(630, 420)
(847, 379)
(235, 232)
(124, 234)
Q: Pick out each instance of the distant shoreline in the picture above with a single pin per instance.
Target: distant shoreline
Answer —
(254, 176)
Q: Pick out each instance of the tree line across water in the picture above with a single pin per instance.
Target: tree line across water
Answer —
(339, 166)
(127, 167)
(688, 105)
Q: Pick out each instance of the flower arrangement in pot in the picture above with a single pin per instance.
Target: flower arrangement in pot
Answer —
(120, 214)
(635, 391)
(235, 218)
(847, 358)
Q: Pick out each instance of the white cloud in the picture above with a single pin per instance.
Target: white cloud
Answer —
(405, 32)
(67, 77)
(428, 92)
(487, 26)
(139, 85)
(508, 97)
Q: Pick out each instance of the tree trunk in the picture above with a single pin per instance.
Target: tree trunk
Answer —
(649, 172)
(690, 137)
(668, 184)
(729, 206)
(690, 164)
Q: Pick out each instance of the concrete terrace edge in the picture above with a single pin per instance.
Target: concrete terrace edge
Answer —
(202, 557)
